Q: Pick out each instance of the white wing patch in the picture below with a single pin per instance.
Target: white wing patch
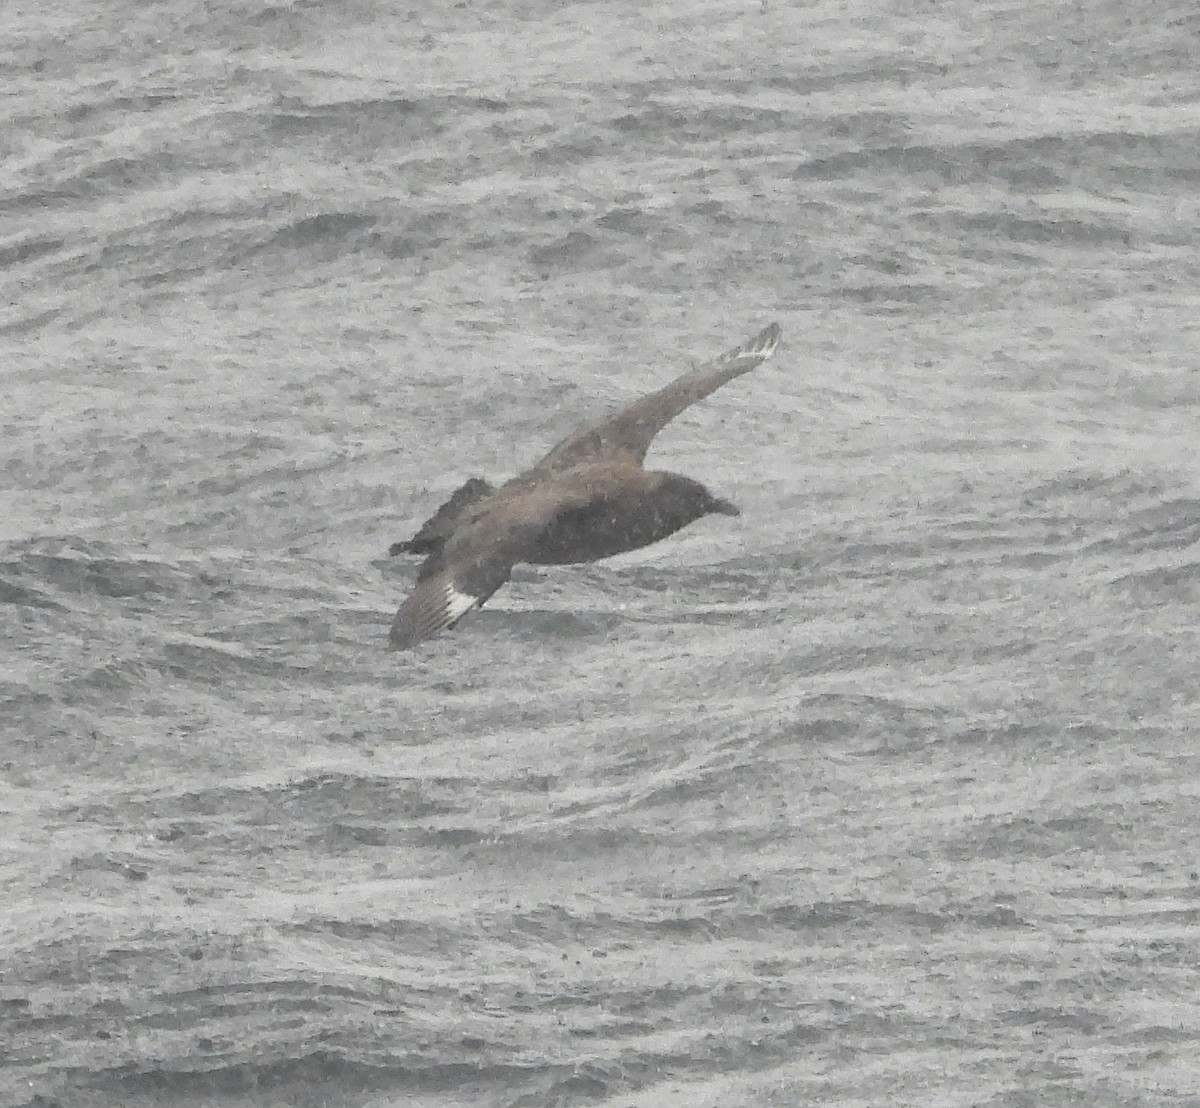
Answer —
(433, 607)
(458, 604)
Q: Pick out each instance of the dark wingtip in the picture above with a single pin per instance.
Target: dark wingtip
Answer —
(768, 338)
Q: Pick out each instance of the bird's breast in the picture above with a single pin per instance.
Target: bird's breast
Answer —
(609, 527)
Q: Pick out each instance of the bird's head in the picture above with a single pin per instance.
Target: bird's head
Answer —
(691, 500)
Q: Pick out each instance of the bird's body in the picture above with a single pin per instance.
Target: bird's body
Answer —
(629, 508)
(588, 498)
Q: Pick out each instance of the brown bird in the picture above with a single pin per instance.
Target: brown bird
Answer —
(589, 498)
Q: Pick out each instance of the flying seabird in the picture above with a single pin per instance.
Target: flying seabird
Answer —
(589, 498)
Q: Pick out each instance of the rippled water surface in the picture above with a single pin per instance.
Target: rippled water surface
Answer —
(885, 792)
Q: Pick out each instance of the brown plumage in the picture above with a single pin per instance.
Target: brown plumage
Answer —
(588, 498)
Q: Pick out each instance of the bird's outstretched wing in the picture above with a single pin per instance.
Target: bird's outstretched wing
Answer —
(627, 434)
(443, 598)
(465, 570)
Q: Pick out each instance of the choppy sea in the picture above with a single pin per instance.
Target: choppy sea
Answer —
(885, 793)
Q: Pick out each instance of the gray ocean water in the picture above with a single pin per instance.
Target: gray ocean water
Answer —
(885, 793)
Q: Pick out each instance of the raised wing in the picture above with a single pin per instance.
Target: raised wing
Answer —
(627, 434)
